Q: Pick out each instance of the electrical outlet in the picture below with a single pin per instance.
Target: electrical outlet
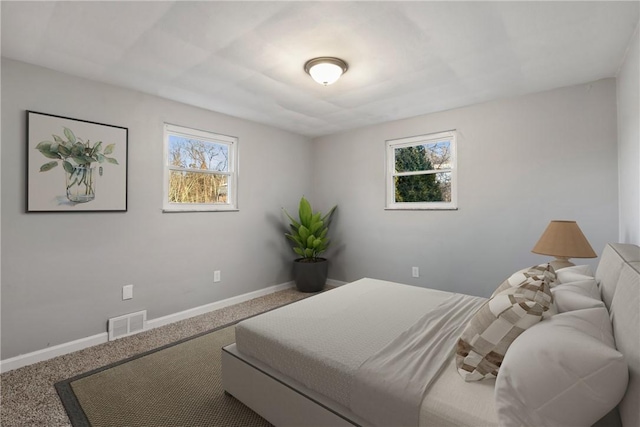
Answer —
(216, 276)
(127, 292)
(415, 271)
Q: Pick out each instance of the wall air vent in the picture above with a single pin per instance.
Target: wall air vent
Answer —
(129, 324)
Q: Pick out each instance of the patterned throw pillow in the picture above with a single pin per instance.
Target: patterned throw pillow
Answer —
(517, 305)
(537, 272)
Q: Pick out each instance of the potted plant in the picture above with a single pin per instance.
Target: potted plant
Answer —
(309, 235)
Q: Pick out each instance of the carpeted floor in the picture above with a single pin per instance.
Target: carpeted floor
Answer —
(30, 399)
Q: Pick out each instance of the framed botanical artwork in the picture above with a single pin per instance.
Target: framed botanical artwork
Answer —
(75, 165)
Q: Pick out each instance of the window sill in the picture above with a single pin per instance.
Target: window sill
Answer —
(420, 208)
(208, 209)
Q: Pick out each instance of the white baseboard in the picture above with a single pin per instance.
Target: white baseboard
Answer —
(196, 311)
(82, 343)
(51, 352)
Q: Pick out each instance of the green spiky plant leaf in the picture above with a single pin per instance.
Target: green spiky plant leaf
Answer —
(309, 232)
(71, 148)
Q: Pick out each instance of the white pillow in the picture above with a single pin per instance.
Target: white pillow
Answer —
(573, 273)
(564, 371)
(577, 295)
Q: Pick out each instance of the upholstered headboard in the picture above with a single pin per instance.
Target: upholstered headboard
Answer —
(618, 275)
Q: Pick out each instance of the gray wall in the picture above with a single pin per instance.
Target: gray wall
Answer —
(629, 143)
(521, 163)
(62, 273)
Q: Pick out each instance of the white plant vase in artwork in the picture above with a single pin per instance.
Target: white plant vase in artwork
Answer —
(81, 184)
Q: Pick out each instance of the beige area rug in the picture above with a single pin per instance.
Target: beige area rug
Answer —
(178, 385)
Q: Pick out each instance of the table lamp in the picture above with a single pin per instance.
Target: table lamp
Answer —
(563, 240)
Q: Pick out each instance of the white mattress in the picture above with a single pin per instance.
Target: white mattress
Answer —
(321, 342)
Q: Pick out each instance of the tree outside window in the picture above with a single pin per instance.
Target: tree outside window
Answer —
(421, 172)
(200, 170)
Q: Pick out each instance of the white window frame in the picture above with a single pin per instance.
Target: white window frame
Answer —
(232, 174)
(391, 173)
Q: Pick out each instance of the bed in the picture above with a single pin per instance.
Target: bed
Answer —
(304, 364)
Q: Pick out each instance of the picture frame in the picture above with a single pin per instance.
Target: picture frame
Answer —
(75, 165)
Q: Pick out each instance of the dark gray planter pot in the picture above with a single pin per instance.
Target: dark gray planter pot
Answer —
(310, 276)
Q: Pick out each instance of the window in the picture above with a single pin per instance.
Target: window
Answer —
(200, 170)
(421, 172)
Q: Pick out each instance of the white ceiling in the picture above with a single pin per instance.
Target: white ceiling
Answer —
(246, 58)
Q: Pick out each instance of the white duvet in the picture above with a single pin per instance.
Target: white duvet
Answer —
(390, 385)
(323, 341)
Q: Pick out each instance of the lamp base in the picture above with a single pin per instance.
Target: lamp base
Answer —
(561, 262)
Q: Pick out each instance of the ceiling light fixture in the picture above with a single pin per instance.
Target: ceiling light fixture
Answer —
(325, 70)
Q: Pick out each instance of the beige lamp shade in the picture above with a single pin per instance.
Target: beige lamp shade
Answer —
(564, 240)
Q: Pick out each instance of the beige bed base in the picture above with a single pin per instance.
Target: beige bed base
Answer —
(280, 400)
(285, 402)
